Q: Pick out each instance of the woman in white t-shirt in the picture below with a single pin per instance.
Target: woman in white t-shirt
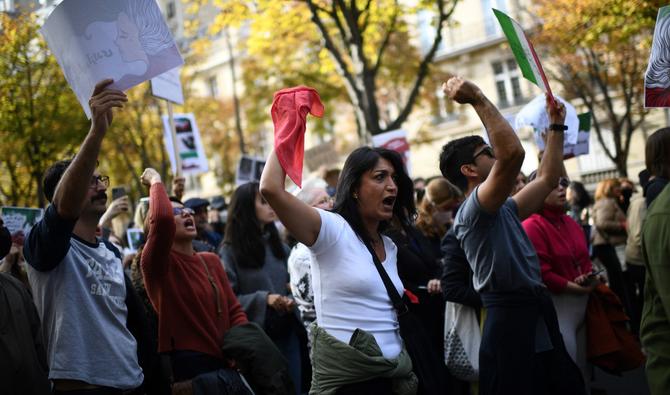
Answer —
(349, 295)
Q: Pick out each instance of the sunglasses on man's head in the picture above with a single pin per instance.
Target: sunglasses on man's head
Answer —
(182, 211)
(488, 151)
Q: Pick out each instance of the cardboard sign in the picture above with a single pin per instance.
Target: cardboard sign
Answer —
(168, 86)
(189, 144)
(395, 140)
(19, 221)
(249, 169)
(126, 40)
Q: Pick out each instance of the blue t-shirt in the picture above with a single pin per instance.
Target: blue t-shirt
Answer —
(79, 291)
(497, 247)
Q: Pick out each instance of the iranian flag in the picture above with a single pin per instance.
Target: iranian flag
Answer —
(523, 52)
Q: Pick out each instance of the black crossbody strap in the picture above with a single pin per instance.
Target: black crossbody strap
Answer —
(398, 304)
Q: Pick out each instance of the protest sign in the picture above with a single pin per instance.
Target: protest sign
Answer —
(524, 53)
(168, 86)
(395, 140)
(126, 40)
(189, 145)
(249, 169)
(135, 239)
(534, 115)
(657, 78)
(582, 145)
(19, 221)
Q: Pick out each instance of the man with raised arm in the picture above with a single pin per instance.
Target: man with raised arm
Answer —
(77, 279)
(522, 351)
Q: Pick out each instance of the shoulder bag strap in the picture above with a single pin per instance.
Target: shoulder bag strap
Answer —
(215, 288)
(398, 304)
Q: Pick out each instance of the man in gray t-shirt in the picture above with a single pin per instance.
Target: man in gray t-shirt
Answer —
(522, 351)
(77, 280)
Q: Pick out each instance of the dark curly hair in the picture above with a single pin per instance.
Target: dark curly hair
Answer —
(52, 177)
(364, 159)
(455, 154)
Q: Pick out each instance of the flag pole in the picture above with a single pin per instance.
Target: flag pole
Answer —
(173, 131)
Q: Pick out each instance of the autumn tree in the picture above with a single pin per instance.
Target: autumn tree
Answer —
(600, 50)
(363, 50)
(41, 120)
(135, 141)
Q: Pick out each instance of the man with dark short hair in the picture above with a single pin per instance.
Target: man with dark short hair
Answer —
(77, 279)
(522, 351)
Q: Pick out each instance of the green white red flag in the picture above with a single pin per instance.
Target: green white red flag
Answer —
(524, 52)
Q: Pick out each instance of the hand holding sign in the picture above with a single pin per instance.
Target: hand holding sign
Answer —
(102, 101)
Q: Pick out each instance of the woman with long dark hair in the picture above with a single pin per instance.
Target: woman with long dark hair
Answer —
(356, 343)
(255, 259)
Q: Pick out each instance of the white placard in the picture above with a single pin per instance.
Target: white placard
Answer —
(126, 40)
(168, 86)
(395, 140)
(19, 220)
(189, 144)
(534, 115)
(249, 169)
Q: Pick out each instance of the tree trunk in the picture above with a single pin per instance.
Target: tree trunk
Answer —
(236, 100)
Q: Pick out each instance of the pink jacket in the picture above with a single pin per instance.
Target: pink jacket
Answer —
(561, 247)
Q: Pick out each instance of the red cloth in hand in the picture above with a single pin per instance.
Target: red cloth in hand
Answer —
(289, 113)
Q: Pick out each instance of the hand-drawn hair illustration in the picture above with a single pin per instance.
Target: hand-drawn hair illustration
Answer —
(153, 33)
(658, 73)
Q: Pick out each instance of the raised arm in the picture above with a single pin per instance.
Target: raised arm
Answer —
(73, 186)
(162, 227)
(530, 199)
(301, 220)
(509, 153)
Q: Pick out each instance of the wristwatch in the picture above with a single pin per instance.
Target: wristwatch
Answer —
(558, 127)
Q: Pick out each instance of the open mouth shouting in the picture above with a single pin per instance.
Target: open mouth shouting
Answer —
(189, 224)
(389, 202)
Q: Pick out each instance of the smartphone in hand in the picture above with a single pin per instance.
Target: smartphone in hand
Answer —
(119, 192)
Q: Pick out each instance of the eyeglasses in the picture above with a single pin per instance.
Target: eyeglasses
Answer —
(488, 151)
(182, 210)
(95, 179)
(563, 182)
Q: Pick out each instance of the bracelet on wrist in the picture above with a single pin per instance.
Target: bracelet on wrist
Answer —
(558, 127)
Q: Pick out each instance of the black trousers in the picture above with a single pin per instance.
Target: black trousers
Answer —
(635, 284)
(508, 362)
(607, 255)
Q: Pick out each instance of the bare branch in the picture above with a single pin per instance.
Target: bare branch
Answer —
(385, 41)
(423, 66)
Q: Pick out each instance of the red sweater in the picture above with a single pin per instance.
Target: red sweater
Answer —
(561, 247)
(179, 288)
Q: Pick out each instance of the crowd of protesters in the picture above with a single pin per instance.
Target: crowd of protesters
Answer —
(296, 293)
